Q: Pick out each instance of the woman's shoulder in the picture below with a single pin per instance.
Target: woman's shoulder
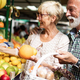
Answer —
(34, 35)
(63, 36)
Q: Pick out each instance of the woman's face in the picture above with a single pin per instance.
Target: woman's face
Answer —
(44, 19)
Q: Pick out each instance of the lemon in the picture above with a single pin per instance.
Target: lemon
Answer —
(19, 65)
(6, 59)
(1, 57)
(6, 54)
(19, 59)
(13, 58)
(2, 53)
(10, 63)
(23, 60)
(15, 62)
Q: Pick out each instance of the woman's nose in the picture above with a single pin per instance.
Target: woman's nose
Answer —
(38, 18)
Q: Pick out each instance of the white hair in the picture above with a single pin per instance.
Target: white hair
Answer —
(53, 8)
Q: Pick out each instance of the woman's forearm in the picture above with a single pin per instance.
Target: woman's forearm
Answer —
(9, 51)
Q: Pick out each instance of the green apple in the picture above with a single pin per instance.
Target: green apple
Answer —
(10, 69)
(2, 68)
(16, 69)
(2, 61)
(5, 65)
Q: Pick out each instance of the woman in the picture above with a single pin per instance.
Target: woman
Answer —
(49, 39)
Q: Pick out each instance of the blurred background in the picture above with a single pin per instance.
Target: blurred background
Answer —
(17, 13)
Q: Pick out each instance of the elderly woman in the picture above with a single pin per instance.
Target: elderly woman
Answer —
(49, 39)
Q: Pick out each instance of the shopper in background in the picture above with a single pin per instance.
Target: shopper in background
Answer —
(21, 31)
(24, 33)
(17, 31)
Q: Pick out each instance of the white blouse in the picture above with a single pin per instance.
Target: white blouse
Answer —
(59, 42)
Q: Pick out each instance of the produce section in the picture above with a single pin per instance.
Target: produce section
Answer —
(11, 63)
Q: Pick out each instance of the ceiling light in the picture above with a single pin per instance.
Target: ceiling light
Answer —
(18, 7)
(33, 8)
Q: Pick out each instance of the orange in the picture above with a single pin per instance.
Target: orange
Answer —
(31, 68)
(5, 40)
(1, 24)
(1, 37)
(16, 45)
(26, 51)
(1, 40)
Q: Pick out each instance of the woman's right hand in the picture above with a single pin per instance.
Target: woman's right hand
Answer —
(35, 30)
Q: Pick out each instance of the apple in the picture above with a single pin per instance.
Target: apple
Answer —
(2, 72)
(16, 69)
(5, 65)
(5, 77)
(10, 69)
(1, 68)
(2, 61)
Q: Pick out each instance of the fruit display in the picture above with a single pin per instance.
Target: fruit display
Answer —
(4, 75)
(3, 40)
(11, 63)
(18, 39)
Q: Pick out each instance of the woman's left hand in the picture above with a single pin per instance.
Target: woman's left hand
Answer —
(34, 58)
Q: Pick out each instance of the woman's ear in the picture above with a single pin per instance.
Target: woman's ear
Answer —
(53, 18)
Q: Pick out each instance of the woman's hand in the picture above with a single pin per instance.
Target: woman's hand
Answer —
(35, 30)
(34, 58)
(66, 58)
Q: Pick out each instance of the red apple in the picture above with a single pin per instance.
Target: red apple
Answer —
(2, 72)
(5, 77)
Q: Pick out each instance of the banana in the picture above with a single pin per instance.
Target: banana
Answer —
(2, 3)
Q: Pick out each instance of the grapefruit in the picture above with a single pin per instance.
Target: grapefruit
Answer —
(26, 51)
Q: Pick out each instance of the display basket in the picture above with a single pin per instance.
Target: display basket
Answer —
(32, 75)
